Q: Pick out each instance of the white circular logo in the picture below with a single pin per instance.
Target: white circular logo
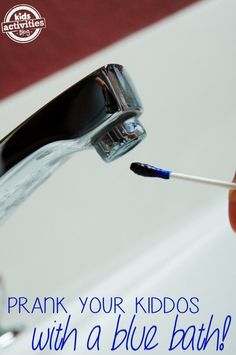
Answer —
(23, 23)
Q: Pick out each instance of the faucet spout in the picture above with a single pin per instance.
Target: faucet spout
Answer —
(101, 111)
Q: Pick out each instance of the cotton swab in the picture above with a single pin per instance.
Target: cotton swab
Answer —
(152, 171)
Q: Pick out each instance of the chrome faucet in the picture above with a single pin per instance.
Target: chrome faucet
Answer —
(100, 111)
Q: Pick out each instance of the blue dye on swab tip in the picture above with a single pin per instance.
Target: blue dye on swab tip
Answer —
(152, 171)
(149, 171)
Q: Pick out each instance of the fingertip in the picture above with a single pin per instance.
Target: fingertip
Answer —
(232, 207)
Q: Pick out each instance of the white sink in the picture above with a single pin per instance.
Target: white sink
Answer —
(98, 230)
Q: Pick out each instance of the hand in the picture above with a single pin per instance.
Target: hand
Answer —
(232, 207)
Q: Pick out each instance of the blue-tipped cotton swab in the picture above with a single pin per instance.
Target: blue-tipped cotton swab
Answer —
(152, 171)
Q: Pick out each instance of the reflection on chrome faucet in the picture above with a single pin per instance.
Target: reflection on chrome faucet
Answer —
(99, 111)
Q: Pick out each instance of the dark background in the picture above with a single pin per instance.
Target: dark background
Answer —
(75, 29)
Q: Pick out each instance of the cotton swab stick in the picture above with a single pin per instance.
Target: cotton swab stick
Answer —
(152, 171)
